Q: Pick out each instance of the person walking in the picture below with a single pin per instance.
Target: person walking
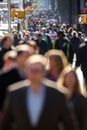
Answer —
(42, 44)
(69, 82)
(16, 73)
(31, 105)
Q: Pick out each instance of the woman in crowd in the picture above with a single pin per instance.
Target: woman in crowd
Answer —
(69, 81)
(57, 61)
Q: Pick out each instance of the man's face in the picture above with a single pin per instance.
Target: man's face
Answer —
(40, 38)
(22, 57)
(8, 42)
(44, 31)
(28, 35)
(35, 72)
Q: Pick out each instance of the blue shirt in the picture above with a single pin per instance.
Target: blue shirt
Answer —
(35, 104)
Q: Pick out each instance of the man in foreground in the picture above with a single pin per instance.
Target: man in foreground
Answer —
(35, 106)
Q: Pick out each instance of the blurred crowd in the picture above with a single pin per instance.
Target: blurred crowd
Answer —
(51, 51)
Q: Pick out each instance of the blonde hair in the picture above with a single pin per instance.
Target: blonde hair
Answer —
(59, 53)
(59, 62)
(61, 84)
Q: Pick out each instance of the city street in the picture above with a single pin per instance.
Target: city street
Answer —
(43, 64)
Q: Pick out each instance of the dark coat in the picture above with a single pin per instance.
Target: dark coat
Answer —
(7, 79)
(65, 46)
(82, 59)
(54, 110)
(2, 53)
(80, 108)
(49, 43)
(42, 46)
(75, 42)
(82, 56)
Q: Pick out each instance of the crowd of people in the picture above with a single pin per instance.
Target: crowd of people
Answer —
(39, 87)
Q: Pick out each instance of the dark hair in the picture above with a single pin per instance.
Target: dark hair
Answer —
(60, 33)
(39, 35)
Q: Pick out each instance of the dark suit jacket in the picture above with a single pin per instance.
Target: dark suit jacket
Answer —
(82, 57)
(80, 108)
(66, 47)
(54, 111)
(2, 53)
(49, 42)
(42, 46)
(7, 79)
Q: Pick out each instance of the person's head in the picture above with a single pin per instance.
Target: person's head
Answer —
(36, 34)
(55, 62)
(7, 41)
(60, 34)
(70, 29)
(74, 34)
(15, 33)
(23, 52)
(33, 44)
(44, 30)
(57, 59)
(69, 80)
(35, 68)
(9, 59)
(63, 25)
(24, 32)
(28, 35)
(79, 34)
(39, 37)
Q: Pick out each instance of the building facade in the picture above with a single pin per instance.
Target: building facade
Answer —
(69, 9)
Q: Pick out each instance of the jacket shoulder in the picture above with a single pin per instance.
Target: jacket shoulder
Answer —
(52, 85)
(53, 89)
(82, 45)
(19, 85)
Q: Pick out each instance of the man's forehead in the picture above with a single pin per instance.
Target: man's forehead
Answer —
(36, 65)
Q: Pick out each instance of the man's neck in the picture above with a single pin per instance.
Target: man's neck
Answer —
(36, 87)
(40, 40)
(21, 68)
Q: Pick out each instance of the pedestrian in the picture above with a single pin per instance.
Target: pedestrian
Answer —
(80, 36)
(75, 42)
(34, 105)
(9, 60)
(41, 44)
(69, 81)
(16, 73)
(7, 45)
(82, 59)
(62, 43)
(47, 38)
(16, 38)
(57, 62)
(34, 45)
